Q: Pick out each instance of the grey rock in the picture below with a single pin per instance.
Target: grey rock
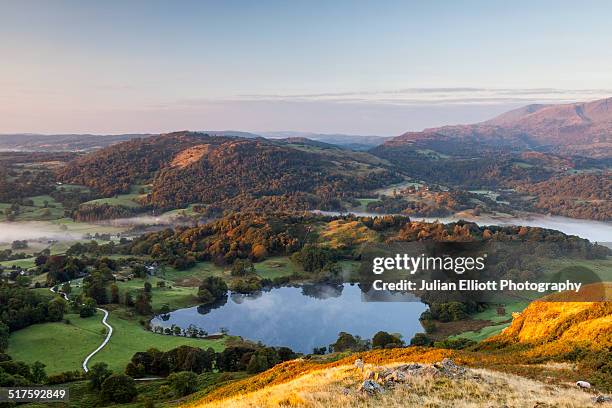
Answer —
(371, 387)
(601, 399)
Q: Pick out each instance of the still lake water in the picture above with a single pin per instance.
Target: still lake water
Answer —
(303, 317)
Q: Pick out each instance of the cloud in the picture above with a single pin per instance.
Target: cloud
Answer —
(437, 96)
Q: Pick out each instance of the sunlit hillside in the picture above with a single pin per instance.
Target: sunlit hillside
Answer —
(339, 387)
(529, 364)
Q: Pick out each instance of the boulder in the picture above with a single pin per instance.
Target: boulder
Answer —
(448, 368)
(371, 387)
(601, 399)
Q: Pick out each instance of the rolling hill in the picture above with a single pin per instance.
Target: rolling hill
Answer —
(183, 168)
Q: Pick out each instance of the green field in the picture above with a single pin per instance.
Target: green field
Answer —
(192, 276)
(63, 347)
(129, 337)
(25, 263)
(37, 211)
(601, 267)
(129, 200)
(176, 297)
(481, 334)
(121, 200)
(60, 346)
(182, 212)
(491, 313)
(276, 267)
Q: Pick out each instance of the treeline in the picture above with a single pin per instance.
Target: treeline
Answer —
(96, 212)
(235, 236)
(245, 357)
(19, 374)
(21, 307)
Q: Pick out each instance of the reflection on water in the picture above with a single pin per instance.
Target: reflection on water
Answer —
(302, 317)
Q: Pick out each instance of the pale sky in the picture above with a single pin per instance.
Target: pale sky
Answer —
(378, 67)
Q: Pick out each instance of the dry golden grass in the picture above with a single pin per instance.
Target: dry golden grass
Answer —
(345, 234)
(337, 387)
(190, 155)
(555, 328)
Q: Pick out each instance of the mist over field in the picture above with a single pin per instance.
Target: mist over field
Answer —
(10, 232)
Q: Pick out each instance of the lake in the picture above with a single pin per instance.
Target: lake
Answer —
(304, 317)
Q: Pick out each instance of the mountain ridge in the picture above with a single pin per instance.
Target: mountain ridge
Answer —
(581, 128)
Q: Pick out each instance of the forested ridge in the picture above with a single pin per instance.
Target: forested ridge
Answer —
(578, 196)
(229, 173)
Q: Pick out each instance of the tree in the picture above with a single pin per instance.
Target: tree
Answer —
(314, 258)
(211, 289)
(56, 309)
(19, 244)
(94, 287)
(263, 359)
(118, 388)
(4, 336)
(183, 382)
(39, 375)
(242, 267)
(129, 300)
(97, 374)
(66, 288)
(383, 339)
(345, 342)
(114, 294)
(88, 308)
(420, 339)
(143, 303)
(23, 281)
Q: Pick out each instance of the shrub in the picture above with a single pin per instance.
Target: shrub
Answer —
(97, 374)
(455, 344)
(420, 339)
(118, 388)
(383, 339)
(183, 382)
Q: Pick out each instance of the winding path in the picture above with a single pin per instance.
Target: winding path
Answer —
(104, 343)
(104, 322)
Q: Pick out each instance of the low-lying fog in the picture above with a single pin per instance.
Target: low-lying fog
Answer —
(33, 230)
(594, 231)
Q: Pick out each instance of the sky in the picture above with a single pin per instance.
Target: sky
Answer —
(357, 67)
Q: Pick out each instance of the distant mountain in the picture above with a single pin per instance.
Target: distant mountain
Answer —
(231, 172)
(233, 133)
(69, 142)
(353, 142)
(88, 142)
(583, 129)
